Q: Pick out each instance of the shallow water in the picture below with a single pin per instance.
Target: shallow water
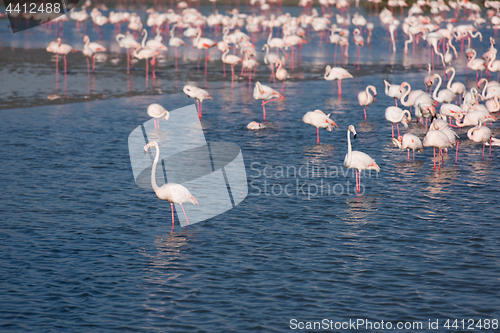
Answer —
(85, 249)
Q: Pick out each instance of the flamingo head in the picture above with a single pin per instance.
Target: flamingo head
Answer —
(330, 123)
(149, 145)
(398, 142)
(352, 130)
(58, 41)
(328, 69)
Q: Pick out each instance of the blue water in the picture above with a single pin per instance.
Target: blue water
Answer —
(83, 248)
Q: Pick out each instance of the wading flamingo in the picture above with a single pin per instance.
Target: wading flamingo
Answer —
(266, 94)
(397, 115)
(173, 193)
(319, 119)
(409, 141)
(337, 73)
(199, 94)
(157, 112)
(358, 160)
(365, 98)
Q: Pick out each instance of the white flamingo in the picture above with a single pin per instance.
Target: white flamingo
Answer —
(266, 94)
(171, 192)
(408, 141)
(337, 73)
(156, 111)
(365, 98)
(397, 115)
(319, 119)
(199, 94)
(358, 160)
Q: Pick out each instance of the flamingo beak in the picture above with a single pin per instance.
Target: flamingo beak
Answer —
(333, 123)
(146, 147)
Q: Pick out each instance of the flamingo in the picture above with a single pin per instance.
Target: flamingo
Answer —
(471, 118)
(358, 40)
(494, 64)
(175, 42)
(437, 139)
(410, 95)
(255, 126)
(60, 49)
(445, 95)
(171, 192)
(450, 110)
(394, 91)
(144, 53)
(156, 111)
(266, 94)
(457, 87)
(397, 115)
(90, 49)
(270, 59)
(443, 126)
(480, 133)
(203, 43)
(281, 73)
(428, 78)
(408, 141)
(128, 42)
(358, 160)
(475, 64)
(232, 60)
(337, 73)
(318, 119)
(365, 98)
(199, 94)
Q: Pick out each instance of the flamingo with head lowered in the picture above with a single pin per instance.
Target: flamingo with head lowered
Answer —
(365, 98)
(266, 94)
(358, 160)
(397, 115)
(171, 192)
(408, 141)
(199, 94)
(337, 73)
(319, 119)
(157, 112)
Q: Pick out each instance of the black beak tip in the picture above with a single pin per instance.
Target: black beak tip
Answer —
(354, 136)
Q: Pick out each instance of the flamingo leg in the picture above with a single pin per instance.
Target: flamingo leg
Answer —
(264, 110)
(184, 214)
(484, 144)
(128, 61)
(198, 108)
(201, 107)
(339, 82)
(490, 146)
(409, 154)
(232, 76)
(414, 155)
(434, 150)
(317, 134)
(364, 110)
(392, 125)
(398, 128)
(456, 153)
(172, 209)
(93, 63)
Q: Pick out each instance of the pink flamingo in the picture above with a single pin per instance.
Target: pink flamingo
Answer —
(90, 49)
(365, 98)
(128, 42)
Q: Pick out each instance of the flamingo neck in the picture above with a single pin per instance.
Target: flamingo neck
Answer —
(143, 43)
(153, 170)
(349, 149)
(406, 95)
(451, 78)
(434, 95)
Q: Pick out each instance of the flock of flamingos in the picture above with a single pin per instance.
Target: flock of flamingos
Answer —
(432, 24)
